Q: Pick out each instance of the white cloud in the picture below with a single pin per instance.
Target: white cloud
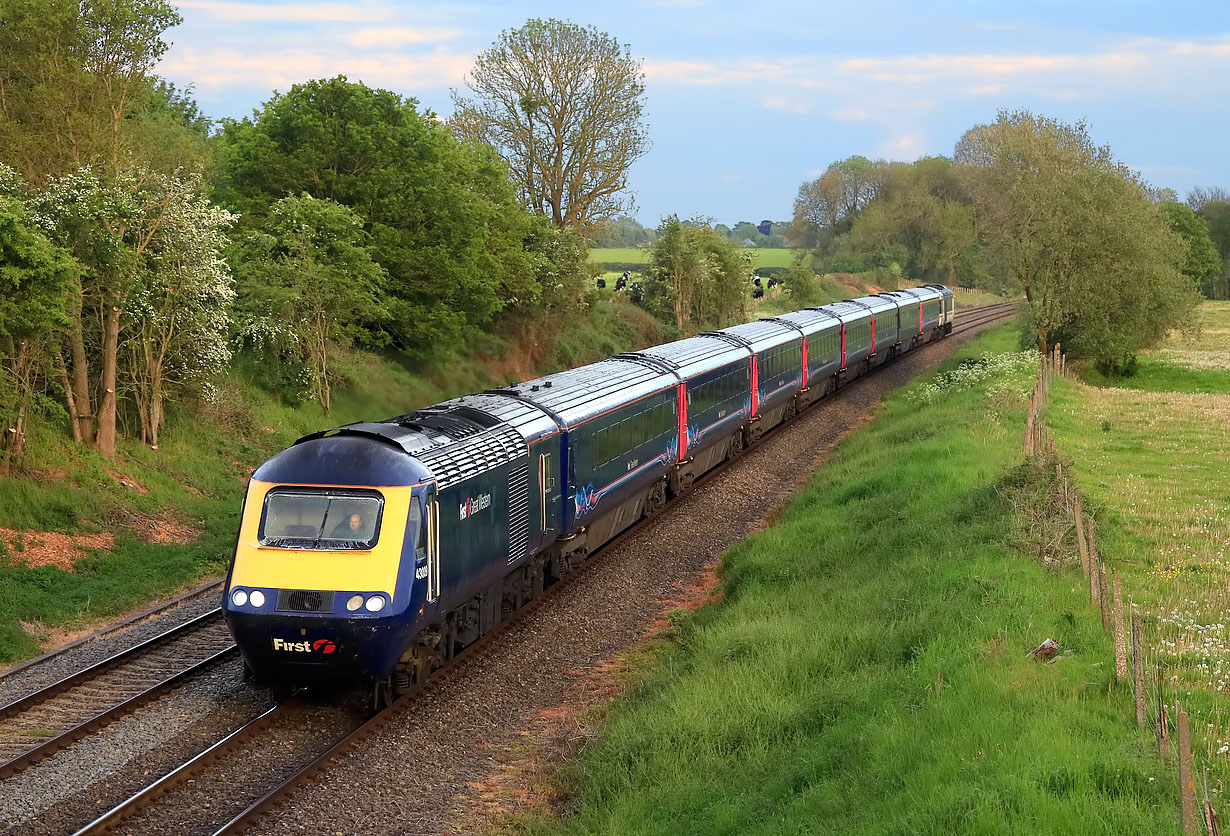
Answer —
(224, 67)
(290, 12)
(788, 106)
(852, 114)
(900, 147)
(391, 37)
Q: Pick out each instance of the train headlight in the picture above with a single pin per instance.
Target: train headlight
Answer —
(257, 598)
(375, 603)
(354, 602)
(239, 597)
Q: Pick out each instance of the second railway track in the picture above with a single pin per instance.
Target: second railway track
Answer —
(44, 722)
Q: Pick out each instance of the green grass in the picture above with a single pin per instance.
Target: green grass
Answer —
(1155, 468)
(1197, 362)
(197, 474)
(807, 700)
(761, 257)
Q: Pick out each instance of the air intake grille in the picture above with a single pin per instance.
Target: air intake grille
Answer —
(304, 600)
(518, 513)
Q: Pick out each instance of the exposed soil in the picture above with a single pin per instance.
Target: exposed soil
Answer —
(50, 548)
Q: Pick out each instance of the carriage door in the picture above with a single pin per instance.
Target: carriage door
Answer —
(546, 490)
(433, 547)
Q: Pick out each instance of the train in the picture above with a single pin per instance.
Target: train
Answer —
(376, 551)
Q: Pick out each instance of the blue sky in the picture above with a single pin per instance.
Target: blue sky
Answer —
(746, 102)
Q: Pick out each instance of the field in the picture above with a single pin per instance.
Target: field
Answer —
(1193, 362)
(761, 257)
(1155, 466)
(865, 670)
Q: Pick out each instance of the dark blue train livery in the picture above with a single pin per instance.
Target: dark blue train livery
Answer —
(376, 551)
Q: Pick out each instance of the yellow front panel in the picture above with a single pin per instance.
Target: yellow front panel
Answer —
(369, 571)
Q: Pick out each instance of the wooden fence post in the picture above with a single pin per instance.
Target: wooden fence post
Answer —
(1187, 781)
(1138, 669)
(1093, 563)
(1080, 537)
(1120, 641)
(1103, 598)
(1163, 717)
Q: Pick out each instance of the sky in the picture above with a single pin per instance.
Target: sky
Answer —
(745, 103)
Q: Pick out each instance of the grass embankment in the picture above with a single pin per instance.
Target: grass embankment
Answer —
(194, 481)
(1155, 466)
(866, 670)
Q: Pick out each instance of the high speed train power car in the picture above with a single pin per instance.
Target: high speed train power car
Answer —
(377, 551)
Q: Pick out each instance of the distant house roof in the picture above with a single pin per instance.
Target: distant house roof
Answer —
(748, 242)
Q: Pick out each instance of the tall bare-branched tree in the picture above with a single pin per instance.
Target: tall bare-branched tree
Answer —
(563, 104)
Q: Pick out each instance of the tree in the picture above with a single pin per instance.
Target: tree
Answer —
(696, 276)
(619, 232)
(564, 105)
(1074, 231)
(1201, 261)
(1216, 214)
(920, 220)
(825, 207)
(117, 230)
(444, 220)
(34, 279)
(72, 76)
(1200, 196)
(177, 317)
(310, 284)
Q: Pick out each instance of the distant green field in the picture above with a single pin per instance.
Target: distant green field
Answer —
(761, 258)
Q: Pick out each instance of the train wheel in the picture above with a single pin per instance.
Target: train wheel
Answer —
(382, 694)
(656, 500)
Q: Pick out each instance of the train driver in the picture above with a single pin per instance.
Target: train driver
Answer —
(349, 528)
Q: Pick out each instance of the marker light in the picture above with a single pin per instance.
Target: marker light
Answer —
(239, 597)
(258, 598)
(354, 602)
(375, 603)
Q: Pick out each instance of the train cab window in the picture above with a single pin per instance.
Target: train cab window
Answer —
(323, 520)
(418, 530)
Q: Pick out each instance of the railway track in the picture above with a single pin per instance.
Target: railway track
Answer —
(42, 723)
(254, 736)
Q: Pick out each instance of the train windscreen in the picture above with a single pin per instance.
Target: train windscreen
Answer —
(309, 520)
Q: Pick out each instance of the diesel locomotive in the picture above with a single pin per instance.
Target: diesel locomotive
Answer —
(377, 551)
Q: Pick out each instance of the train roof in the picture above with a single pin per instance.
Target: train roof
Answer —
(532, 421)
(810, 320)
(909, 294)
(846, 311)
(758, 336)
(876, 303)
(692, 356)
(576, 395)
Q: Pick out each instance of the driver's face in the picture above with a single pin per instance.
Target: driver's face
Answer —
(355, 522)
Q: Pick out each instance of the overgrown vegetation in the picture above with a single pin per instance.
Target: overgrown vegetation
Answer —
(866, 669)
